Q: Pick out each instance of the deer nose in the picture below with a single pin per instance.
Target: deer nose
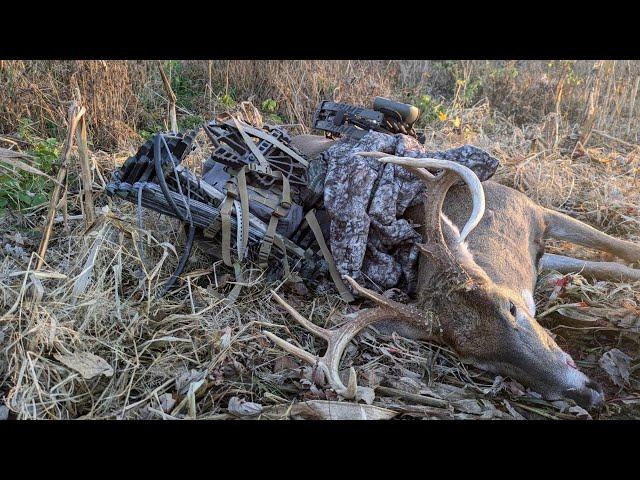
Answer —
(589, 396)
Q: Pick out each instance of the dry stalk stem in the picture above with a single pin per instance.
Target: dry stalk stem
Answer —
(591, 110)
(86, 202)
(173, 122)
(75, 114)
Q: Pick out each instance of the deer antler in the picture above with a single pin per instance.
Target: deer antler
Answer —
(437, 187)
(338, 338)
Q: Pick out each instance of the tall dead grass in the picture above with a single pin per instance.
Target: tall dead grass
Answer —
(38, 92)
(126, 97)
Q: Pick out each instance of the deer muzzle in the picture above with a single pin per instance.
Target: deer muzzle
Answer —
(579, 387)
(534, 359)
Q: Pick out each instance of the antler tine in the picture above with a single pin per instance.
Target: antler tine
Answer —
(337, 341)
(292, 349)
(407, 313)
(338, 338)
(423, 173)
(312, 327)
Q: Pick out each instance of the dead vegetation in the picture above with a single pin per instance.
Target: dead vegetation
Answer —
(84, 338)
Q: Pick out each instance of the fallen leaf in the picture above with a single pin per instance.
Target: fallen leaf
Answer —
(580, 412)
(515, 388)
(497, 386)
(242, 408)
(469, 405)
(365, 394)
(225, 340)
(514, 413)
(318, 377)
(191, 397)
(166, 402)
(616, 363)
(184, 381)
(284, 363)
(328, 410)
(86, 364)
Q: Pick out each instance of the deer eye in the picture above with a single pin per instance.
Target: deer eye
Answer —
(512, 309)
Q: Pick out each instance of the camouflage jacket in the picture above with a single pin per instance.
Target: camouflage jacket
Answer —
(365, 201)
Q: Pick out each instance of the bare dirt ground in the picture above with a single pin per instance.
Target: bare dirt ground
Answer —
(81, 339)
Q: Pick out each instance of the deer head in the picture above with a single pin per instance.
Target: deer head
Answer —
(488, 325)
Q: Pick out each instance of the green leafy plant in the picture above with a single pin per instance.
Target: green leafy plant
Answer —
(183, 85)
(228, 101)
(432, 112)
(20, 190)
(190, 122)
(46, 151)
(146, 135)
(269, 105)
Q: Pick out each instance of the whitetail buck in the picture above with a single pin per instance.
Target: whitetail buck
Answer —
(475, 288)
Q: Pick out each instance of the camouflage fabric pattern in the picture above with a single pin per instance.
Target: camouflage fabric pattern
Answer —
(365, 201)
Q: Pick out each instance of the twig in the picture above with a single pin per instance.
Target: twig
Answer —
(86, 200)
(419, 410)
(75, 113)
(172, 99)
(421, 399)
(606, 135)
(558, 307)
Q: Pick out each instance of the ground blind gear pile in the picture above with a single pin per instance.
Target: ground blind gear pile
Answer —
(261, 200)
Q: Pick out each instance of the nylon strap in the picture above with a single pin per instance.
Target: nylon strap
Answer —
(213, 228)
(235, 291)
(317, 232)
(244, 205)
(267, 241)
(278, 212)
(286, 190)
(262, 198)
(239, 232)
(225, 212)
(252, 146)
(237, 188)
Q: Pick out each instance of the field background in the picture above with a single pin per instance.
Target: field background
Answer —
(566, 132)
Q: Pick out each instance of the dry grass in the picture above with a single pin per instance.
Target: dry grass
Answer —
(38, 92)
(188, 354)
(126, 98)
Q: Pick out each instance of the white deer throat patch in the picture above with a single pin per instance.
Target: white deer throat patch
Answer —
(527, 297)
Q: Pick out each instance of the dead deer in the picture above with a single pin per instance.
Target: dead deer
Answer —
(475, 286)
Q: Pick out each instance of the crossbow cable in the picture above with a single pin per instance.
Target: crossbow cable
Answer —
(158, 143)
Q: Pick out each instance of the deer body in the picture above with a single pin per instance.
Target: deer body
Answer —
(479, 283)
